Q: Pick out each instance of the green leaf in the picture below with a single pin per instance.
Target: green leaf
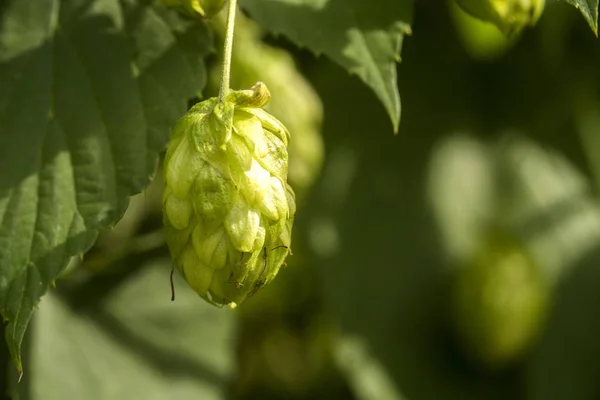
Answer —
(566, 361)
(136, 344)
(89, 92)
(362, 37)
(589, 9)
(375, 233)
(367, 378)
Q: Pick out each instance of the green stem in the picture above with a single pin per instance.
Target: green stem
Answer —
(226, 70)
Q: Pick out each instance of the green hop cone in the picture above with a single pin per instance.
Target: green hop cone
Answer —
(481, 40)
(205, 8)
(510, 16)
(228, 209)
(500, 299)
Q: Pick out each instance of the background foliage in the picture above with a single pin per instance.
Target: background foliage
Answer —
(495, 135)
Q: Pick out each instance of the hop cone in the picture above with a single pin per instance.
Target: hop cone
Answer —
(509, 16)
(228, 210)
(500, 301)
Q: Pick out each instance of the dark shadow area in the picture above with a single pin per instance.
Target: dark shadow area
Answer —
(566, 361)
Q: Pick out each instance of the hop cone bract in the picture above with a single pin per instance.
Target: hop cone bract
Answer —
(228, 209)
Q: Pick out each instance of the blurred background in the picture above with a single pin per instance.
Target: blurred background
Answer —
(459, 259)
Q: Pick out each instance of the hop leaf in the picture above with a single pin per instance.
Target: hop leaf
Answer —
(510, 16)
(228, 210)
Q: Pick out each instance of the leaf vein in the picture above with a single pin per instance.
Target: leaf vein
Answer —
(100, 109)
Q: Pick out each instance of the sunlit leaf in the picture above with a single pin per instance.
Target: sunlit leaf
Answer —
(589, 10)
(363, 37)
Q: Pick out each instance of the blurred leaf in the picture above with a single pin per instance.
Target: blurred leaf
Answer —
(138, 345)
(500, 191)
(544, 201)
(367, 377)
(566, 362)
(382, 257)
(587, 109)
(89, 91)
(364, 37)
(197, 8)
(462, 207)
(378, 250)
(589, 9)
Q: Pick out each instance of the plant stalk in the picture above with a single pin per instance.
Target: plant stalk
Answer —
(226, 70)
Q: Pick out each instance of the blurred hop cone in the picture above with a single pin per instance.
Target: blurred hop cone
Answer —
(510, 16)
(481, 40)
(205, 8)
(294, 101)
(499, 301)
(228, 210)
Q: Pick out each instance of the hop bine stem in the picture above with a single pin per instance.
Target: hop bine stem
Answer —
(226, 70)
